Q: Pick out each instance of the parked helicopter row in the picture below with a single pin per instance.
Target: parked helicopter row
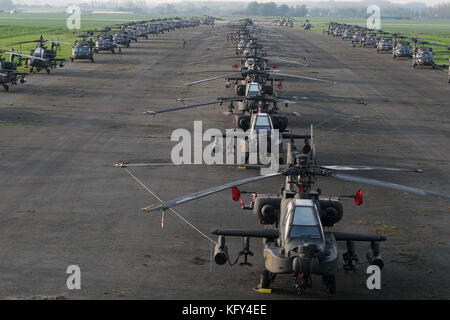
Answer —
(112, 39)
(400, 46)
(298, 238)
(284, 22)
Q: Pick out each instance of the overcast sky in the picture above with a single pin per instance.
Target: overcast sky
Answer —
(54, 2)
(393, 1)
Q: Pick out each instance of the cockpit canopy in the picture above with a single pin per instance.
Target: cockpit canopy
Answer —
(38, 52)
(262, 121)
(302, 221)
(253, 89)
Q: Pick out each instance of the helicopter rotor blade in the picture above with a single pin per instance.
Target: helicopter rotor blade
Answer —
(303, 77)
(22, 55)
(209, 79)
(288, 61)
(368, 168)
(190, 106)
(389, 185)
(347, 114)
(175, 202)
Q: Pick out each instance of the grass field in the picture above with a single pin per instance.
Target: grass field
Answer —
(30, 26)
(429, 30)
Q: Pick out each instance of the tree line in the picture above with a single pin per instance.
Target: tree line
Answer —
(440, 11)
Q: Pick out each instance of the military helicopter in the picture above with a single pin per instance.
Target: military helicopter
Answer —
(8, 72)
(448, 70)
(424, 56)
(369, 40)
(42, 57)
(299, 243)
(384, 43)
(401, 48)
(83, 50)
(106, 42)
(307, 25)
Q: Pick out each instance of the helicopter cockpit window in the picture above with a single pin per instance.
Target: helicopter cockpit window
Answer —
(262, 122)
(38, 52)
(253, 90)
(304, 223)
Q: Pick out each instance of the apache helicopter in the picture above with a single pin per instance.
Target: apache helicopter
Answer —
(106, 42)
(368, 40)
(401, 48)
(8, 72)
(42, 57)
(424, 56)
(384, 44)
(347, 34)
(299, 243)
(83, 50)
(307, 25)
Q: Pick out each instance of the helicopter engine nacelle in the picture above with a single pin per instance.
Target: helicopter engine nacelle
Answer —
(331, 211)
(268, 90)
(243, 122)
(240, 90)
(280, 122)
(267, 209)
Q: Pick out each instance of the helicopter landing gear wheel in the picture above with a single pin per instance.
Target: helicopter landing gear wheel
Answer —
(302, 282)
(330, 282)
(6, 87)
(266, 279)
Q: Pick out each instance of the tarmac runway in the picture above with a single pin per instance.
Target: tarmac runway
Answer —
(64, 203)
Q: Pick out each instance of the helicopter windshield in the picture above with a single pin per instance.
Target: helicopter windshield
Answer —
(304, 223)
(38, 52)
(253, 90)
(262, 122)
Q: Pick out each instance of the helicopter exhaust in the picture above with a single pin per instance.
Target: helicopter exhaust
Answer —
(221, 251)
(373, 255)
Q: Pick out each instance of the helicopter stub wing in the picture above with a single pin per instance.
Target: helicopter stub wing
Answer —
(345, 236)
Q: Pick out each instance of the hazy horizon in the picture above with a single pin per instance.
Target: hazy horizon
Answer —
(153, 2)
